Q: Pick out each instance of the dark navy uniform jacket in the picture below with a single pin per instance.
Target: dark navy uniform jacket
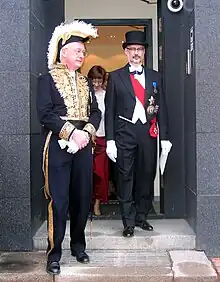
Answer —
(60, 105)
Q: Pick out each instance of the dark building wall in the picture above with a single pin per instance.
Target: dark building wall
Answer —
(207, 29)
(44, 16)
(54, 15)
(15, 215)
(37, 66)
(190, 114)
(26, 26)
(200, 118)
(171, 67)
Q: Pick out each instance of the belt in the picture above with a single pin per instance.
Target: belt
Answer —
(79, 124)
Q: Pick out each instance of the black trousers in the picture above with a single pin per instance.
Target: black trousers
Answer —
(136, 162)
(70, 190)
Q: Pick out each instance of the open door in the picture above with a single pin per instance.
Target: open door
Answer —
(107, 51)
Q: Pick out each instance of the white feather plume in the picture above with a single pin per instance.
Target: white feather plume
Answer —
(77, 28)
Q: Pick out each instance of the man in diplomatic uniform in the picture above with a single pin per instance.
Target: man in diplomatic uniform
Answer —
(135, 105)
(69, 115)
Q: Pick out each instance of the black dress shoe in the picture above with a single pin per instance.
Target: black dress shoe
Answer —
(81, 257)
(53, 267)
(144, 225)
(128, 231)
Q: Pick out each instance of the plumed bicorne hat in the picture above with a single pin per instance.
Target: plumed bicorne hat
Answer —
(134, 37)
(65, 33)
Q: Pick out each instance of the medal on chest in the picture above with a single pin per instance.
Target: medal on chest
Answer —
(152, 110)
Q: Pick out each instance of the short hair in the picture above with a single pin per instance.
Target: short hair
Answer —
(97, 72)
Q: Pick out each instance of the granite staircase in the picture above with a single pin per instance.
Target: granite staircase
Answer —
(166, 254)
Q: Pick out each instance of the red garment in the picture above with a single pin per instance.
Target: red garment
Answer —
(138, 89)
(140, 94)
(100, 171)
(154, 128)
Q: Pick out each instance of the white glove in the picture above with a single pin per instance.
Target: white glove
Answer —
(73, 147)
(63, 143)
(111, 150)
(166, 147)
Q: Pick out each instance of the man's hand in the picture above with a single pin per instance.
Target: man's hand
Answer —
(80, 137)
(111, 150)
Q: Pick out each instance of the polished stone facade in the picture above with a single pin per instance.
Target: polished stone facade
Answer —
(207, 30)
(15, 181)
(25, 27)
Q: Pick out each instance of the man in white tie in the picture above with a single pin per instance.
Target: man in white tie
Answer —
(135, 107)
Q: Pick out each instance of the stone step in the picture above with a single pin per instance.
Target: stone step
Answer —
(189, 266)
(111, 266)
(168, 234)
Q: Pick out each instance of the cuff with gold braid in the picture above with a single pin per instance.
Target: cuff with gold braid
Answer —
(90, 129)
(66, 130)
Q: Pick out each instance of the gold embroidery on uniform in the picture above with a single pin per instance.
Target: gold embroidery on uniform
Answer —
(46, 144)
(83, 92)
(47, 193)
(76, 103)
(90, 128)
(66, 130)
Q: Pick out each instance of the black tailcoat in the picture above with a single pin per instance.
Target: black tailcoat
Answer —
(136, 149)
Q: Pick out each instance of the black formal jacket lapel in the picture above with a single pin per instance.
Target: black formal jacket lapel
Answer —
(125, 76)
(148, 82)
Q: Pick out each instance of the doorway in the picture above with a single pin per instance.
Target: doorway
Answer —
(170, 61)
(107, 52)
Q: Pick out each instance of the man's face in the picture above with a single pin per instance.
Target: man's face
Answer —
(135, 54)
(74, 54)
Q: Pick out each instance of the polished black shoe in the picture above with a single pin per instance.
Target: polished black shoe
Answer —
(128, 231)
(81, 257)
(53, 267)
(144, 225)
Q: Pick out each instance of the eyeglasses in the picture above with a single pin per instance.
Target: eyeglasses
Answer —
(79, 51)
(133, 49)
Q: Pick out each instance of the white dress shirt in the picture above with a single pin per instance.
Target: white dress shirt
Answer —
(139, 111)
(100, 97)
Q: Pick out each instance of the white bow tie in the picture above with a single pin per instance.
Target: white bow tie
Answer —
(139, 68)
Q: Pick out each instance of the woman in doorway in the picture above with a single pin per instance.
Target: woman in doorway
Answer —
(97, 74)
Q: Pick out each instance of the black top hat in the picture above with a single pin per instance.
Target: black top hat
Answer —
(134, 37)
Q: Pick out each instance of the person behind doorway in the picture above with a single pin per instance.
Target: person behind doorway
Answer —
(134, 104)
(97, 74)
(69, 114)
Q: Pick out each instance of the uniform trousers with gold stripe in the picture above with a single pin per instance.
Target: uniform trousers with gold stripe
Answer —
(68, 189)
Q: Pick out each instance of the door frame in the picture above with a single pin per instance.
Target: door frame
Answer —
(146, 23)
